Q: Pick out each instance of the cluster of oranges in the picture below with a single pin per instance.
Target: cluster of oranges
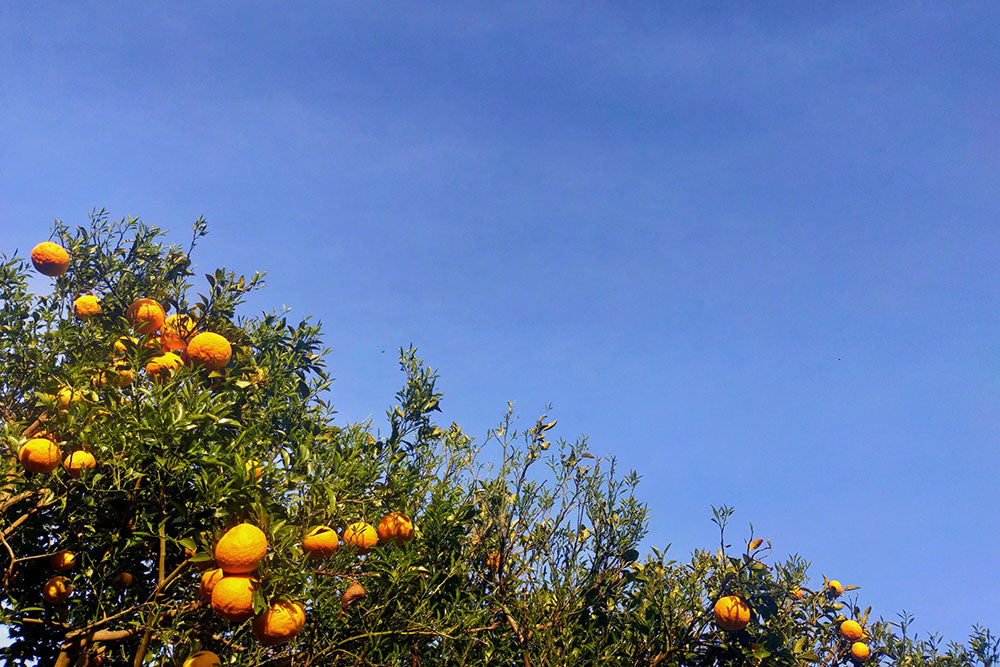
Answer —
(732, 613)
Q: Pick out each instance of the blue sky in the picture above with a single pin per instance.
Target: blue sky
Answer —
(750, 252)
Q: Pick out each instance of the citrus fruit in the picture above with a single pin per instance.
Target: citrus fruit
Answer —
(209, 579)
(321, 541)
(240, 549)
(395, 528)
(834, 588)
(39, 455)
(57, 590)
(66, 397)
(160, 366)
(77, 461)
(146, 315)
(122, 581)
(86, 307)
(796, 593)
(203, 659)
(281, 622)
(731, 613)
(253, 469)
(50, 259)
(493, 561)
(63, 560)
(860, 651)
(361, 536)
(851, 630)
(352, 595)
(232, 597)
(209, 350)
(177, 331)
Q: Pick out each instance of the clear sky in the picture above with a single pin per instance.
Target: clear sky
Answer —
(751, 252)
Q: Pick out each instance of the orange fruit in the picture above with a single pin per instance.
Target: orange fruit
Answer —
(232, 597)
(39, 455)
(177, 331)
(57, 590)
(160, 366)
(77, 461)
(395, 528)
(493, 561)
(352, 595)
(66, 397)
(796, 593)
(281, 622)
(120, 375)
(210, 350)
(122, 581)
(240, 549)
(860, 651)
(851, 630)
(321, 541)
(50, 259)
(254, 471)
(86, 307)
(362, 536)
(834, 588)
(203, 659)
(63, 560)
(731, 613)
(146, 315)
(209, 579)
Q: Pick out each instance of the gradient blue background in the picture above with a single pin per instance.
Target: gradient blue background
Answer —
(750, 251)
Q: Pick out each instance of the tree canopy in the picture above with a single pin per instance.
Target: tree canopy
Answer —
(156, 449)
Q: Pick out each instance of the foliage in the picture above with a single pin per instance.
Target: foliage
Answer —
(532, 560)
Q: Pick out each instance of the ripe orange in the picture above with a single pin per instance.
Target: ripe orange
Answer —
(834, 588)
(232, 597)
(731, 613)
(86, 307)
(177, 331)
(209, 579)
(240, 549)
(395, 528)
(146, 315)
(39, 455)
(352, 595)
(851, 630)
(321, 541)
(57, 590)
(63, 560)
(50, 259)
(281, 622)
(122, 581)
(77, 461)
(160, 366)
(210, 350)
(66, 397)
(362, 536)
(860, 651)
(203, 659)
(120, 375)
(493, 561)
(795, 593)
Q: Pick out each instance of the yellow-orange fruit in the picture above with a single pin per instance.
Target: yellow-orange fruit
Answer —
(833, 587)
(63, 560)
(146, 315)
(321, 541)
(253, 469)
(493, 561)
(731, 613)
(203, 659)
(395, 528)
(860, 651)
(86, 306)
(210, 350)
(209, 579)
(122, 581)
(160, 366)
(280, 623)
(178, 329)
(50, 259)
(77, 461)
(240, 549)
(57, 590)
(120, 375)
(39, 455)
(232, 597)
(352, 595)
(796, 593)
(851, 630)
(362, 536)
(66, 397)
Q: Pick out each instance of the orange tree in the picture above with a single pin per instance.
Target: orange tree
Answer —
(176, 491)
